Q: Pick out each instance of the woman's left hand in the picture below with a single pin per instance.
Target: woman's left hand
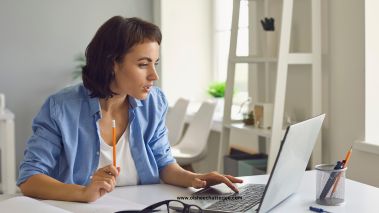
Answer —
(213, 178)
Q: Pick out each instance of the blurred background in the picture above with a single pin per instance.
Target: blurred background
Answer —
(41, 39)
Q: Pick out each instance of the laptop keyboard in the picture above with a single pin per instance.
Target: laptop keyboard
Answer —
(251, 195)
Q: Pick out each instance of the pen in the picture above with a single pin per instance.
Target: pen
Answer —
(314, 209)
(330, 181)
(345, 162)
(114, 141)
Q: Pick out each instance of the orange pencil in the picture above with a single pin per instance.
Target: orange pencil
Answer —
(347, 158)
(114, 141)
(346, 161)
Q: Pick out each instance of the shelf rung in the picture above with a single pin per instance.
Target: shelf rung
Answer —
(300, 58)
(231, 122)
(293, 58)
(252, 129)
(253, 60)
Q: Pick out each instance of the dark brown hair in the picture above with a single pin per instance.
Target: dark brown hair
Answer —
(111, 42)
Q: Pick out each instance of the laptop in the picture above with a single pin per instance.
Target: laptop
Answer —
(287, 173)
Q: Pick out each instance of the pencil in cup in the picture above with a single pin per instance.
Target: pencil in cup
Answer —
(345, 163)
(325, 178)
(330, 173)
(114, 142)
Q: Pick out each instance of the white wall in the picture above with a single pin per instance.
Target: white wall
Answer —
(186, 48)
(372, 74)
(347, 75)
(346, 60)
(38, 42)
(343, 86)
(40, 38)
(343, 82)
(363, 165)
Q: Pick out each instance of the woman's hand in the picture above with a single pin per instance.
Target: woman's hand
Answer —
(176, 175)
(103, 181)
(213, 178)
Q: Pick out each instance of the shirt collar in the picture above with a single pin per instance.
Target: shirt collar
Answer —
(134, 102)
(93, 103)
(95, 106)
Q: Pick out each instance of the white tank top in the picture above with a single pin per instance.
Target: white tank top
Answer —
(128, 172)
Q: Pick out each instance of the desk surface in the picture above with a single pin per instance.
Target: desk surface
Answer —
(359, 197)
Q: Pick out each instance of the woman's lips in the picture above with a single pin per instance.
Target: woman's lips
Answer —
(147, 87)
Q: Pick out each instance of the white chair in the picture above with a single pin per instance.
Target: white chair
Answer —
(175, 120)
(193, 146)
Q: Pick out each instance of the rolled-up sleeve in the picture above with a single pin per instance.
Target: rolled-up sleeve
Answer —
(44, 146)
(159, 144)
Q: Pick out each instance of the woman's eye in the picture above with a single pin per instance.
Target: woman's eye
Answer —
(142, 65)
(156, 63)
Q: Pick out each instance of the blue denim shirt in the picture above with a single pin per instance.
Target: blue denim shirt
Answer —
(65, 144)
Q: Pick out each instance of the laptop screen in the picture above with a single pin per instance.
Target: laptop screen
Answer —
(289, 168)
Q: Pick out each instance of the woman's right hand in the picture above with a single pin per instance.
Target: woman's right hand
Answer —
(102, 182)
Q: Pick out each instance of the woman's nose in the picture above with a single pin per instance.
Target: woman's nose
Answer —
(153, 76)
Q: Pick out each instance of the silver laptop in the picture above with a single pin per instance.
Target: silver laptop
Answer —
(287, 173)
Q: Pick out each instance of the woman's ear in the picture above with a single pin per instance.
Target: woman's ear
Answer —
(117, 63)
(116, 67)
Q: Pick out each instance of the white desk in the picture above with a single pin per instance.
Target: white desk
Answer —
(7, 147)
(359, 197)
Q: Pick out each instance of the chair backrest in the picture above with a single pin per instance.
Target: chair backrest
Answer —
(196, 137)
(175, 120)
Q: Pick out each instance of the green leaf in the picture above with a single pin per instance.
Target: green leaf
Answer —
(217, 89)
(80, 60)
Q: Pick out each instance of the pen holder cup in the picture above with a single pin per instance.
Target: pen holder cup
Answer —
(330, 185)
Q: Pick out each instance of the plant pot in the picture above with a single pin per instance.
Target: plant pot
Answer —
(219, 105)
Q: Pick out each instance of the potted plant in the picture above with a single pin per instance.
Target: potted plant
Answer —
(80, 61)
(217, 91)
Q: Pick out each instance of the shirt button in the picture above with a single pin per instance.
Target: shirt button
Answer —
(97, 153)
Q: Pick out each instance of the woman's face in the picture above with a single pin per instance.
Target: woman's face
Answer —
(135, 74)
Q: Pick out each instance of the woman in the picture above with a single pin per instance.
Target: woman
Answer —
(69, 155)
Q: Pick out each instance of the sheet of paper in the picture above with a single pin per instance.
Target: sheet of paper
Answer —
(106, 204)
(24, 204)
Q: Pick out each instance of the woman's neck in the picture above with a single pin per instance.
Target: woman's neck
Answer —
(113, 104)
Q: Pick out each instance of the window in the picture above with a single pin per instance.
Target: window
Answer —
(222, 22)
(186, 50)
(371, 71)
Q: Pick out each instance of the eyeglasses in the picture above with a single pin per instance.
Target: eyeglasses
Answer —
(171, 206)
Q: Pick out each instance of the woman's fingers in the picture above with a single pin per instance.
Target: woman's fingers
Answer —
(234, 179)
(216, 178)
(96, 189)
(110, 180)
(198, 183)
(102, 174)
(110, 169)
(229, 183)
(108, 174)
(103, 185)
